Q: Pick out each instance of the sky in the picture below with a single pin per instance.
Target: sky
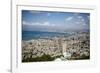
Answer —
(54, 21)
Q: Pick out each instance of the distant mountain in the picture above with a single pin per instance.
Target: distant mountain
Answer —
(53, 28)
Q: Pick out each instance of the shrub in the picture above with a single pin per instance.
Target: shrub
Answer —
(44, 57)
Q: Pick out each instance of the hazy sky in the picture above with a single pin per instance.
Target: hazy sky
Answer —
(54, 21)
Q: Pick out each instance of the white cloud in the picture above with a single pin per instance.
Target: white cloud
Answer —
(37, 23)
(48, 14)
(79, 17)
(78, 22)
(82, 20)
(25, 23)
(81, 23)
(46, 23)
(69, 18)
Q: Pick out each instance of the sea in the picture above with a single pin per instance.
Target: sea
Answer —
(28, 35)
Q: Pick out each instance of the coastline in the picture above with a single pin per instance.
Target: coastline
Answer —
(78, 46)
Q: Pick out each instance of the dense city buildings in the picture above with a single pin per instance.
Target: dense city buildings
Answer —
(73, 47)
